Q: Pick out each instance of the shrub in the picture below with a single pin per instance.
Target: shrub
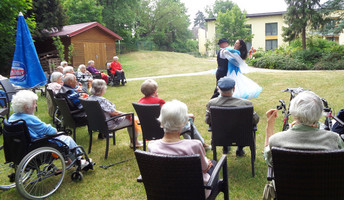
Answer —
(308, 56)
(278, 62)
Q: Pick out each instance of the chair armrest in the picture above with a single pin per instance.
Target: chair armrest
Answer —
(270, 174)
(47, 137)
(122, 115)
(216, 172)
(139, 179)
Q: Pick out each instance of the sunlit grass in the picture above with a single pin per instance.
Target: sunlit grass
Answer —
(119, 181)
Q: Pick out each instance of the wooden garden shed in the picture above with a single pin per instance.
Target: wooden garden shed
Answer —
(91, 41)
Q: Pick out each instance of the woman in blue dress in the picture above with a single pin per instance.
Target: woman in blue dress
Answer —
(244, 87)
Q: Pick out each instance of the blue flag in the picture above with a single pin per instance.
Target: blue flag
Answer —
(26, 70)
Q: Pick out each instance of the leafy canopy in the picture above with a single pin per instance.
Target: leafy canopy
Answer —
(231, 25)
(81, 11)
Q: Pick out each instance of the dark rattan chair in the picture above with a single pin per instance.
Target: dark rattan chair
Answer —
(148, 115)
(300, 174)
(232, 126)
(9, 91)
(68, 117)
(97, 122)
(179, 177)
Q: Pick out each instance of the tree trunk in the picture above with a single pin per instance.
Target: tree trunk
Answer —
(304, 38)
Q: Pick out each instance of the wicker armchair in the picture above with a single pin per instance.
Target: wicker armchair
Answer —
(179, 177)
(300, 174)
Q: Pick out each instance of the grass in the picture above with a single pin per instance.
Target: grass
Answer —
(119, 181)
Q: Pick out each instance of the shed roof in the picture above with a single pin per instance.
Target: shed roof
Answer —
(75, 29)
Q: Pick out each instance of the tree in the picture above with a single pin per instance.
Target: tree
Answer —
(231, 25)
(120, 16)
(300, 15)
(219, 6)
(81, 11)
(50, 16)
(334, 16)
(199, 19)
(165, 22)
(9, 11)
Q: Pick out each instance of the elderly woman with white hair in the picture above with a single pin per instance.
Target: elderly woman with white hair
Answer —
(94, 70)
(55, 85)
(98, 89)
(173, 117)
(24, 104)
(117, 71)
(84, 76)
(304, 134)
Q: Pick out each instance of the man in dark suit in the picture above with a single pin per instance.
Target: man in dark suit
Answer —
(226, 88)
(222, 64)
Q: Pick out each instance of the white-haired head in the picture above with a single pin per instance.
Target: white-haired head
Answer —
(68, 69)
(173, 116)
(90, 62)
(115, 58)
(148, 87)
(23, 101)
(98, 86)
(82, 66)
(307, 108)
(64, 63)
(55, 76)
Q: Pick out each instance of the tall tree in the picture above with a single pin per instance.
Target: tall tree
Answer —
(199, 19)
(165, 22)
(120, 16)
(50, 16)
(334, 16)
(219, 6)
(300, 15)
(81, 11)
(231, 25)
(9, 11)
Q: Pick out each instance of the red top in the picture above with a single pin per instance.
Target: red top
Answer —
(152, 100)
(115, 66)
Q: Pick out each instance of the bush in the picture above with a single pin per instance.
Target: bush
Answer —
(308, 56)
(278, 62)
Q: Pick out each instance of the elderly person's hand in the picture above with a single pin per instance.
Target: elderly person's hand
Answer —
(271, 116)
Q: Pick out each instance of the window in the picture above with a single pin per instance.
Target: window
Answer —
(270, 29)
(270, 45)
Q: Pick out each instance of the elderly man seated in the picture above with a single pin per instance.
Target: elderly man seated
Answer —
(304, 134)
(72, 96)
(226, 87)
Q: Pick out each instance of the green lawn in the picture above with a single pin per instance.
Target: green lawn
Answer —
(119, 182)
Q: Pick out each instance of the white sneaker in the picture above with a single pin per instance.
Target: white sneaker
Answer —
(138, 144)
(85, 163)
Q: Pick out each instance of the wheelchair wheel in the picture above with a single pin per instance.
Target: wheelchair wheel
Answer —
(77, 176)
(7, 172)
(40, 173)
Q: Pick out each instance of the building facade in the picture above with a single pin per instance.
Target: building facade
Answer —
(265, 27)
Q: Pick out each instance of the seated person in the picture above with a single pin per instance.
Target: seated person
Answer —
(93, 70)
(173, 117)
(2, 99)
(117, 71)
(226, 88)
(150, 89)
(54, 85)
(98, 89)
(84, 76)
(72, 96)
(304, 134)
(64, 64)
(338, 127)
(24, 105)
(59, 69)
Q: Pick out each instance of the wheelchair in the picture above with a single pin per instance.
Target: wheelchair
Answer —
(36, 168)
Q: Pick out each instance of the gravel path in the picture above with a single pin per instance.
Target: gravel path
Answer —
(213, 71)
